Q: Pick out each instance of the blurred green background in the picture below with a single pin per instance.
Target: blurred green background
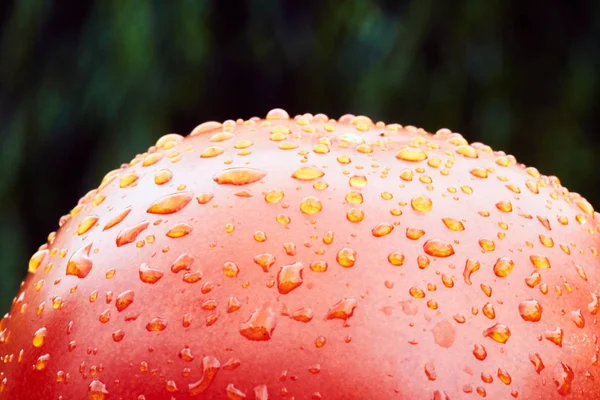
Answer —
(85, 85)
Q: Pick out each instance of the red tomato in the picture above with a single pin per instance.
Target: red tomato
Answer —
(310, 258)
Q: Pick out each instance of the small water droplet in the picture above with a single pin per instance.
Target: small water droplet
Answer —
(343, 309)
(530, 310)
(80, 264)
(234, 393)
(539, 261)
(382, 229)
(179, 230)
(358, 181)
(156, 325)
(421, 203)
(149, 275)
(555, 336)
(311, 205)
(438, 248)
(230, 269)
(302, 315)
(239, 176)
(130, 234)
(183, 262)
(411, 154)
(308, 173)
(124, 300)
(430, 372)
(170, 204)
(36, 260)
(260, 325)
(503, 267)
(479, 352)
(39, 337)
(346, 257)
(42, 362)
(289, 277)
(499, 333)
(86, 224)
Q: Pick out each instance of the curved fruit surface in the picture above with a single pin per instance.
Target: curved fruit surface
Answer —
(311, 258)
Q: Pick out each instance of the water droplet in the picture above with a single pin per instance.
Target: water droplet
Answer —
(358, 181)
(318, 266)
(530, 310)
(594, 305)
(503, 267)
(536, 360)
(277, 114)
(555, 336)
(118, 335)
(443, 334)
(302, 315)
(204, 198)
(539, 261)
(130, 234)
(234, 393)
(430, 372)
(39, 337)
(170, 204)
(149, 275)
(479, 352)
(124, 300)
(488, 310)
(210, 367)
(86, 224)
(471, 266)
(438, 248)
(382, 229)
(239, 176)
(230, 269)
(273, 196)
(163, 176)
(80, 264)
(396, 258)
(183, 262)
(261, 392)
(311, 205)
(116, 220)
(36, 260)
(533, 280)
(421, 203)
(42, 362)
(289, 277)
(343, 309)
(577, 318)
(355, 215)
(453, 224)
(467, 151)
(97, 390)
(346, 257)
(212, 151)
(563, 378)
(499, 333)
(307, 173)
(127, 180)
(156, 325)
(411, 154)
(179, 230)
(260, 325)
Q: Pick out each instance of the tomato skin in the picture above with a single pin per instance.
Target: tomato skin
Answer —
(307, 258)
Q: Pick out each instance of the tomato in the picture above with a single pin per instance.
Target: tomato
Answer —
(311, 258)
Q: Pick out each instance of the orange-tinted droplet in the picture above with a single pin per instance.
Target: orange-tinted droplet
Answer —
(80, 264)
(130, 234)
(530, 310)
(97, 390)
(471, 266)
(555, 336)
(311, 205)
(210, 367)
(539, 261)
(156, 325)
(302, 315)
(36, 260)
(453, 224)
(421, 203)
(124, 299)
(343, 309)
(411, 154)
(179, 230)
(346, 257)
(86, 224)
(39, 337)
(563, 378)
(503, 267)
(239, 176)
(536, 360)
(149, 275)
(307, 173)
(438, 248)
(170, 204)
(382, 229)
(289, 277)
(499, 333)
(260, 325)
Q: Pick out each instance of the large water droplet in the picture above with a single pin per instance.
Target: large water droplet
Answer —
(260, 325)
(156, 325)
(411, 154)
(346, 257)
(80, 264)
(555, 336)
(124, 299)
(39, 337)
(86, 224)
(170, 204)
(239, 176)
(503, 267)
(116, 220)
(311, 205)
(36, 260)
(265, 260)
(421, 203)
